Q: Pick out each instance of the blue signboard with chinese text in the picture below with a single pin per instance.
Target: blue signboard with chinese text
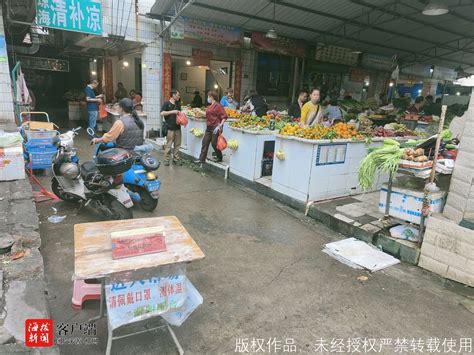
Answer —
(70, 15)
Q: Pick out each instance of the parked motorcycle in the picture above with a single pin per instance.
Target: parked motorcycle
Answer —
(141, 181)
(97, 184)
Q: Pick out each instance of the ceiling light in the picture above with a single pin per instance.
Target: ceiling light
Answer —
(143, 65)
(271, 34)
(125, 64)
(391, 84)
(434, 8)
(216, 86)
(188, 62)
(458, 93)
(27, 39)
(419, 91)
(93, 73)
(95, 60)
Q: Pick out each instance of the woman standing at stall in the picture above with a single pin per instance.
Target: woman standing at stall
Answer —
(311, 112)
(215, 118)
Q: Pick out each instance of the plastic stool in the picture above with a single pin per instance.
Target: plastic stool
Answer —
(83, 291)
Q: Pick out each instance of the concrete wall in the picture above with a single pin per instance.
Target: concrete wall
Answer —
(460, 203)
(7, 113)
(448, 250)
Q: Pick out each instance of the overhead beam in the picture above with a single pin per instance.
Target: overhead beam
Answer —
(308, 29)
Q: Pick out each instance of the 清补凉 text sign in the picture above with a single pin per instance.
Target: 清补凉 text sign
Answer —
(70, 15)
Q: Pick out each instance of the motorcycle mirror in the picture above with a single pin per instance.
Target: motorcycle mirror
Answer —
(91, 132)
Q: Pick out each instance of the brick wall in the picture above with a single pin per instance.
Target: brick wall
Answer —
(448, 250)
(7, 113)
(461, 195)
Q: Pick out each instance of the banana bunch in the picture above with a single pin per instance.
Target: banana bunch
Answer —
(232, 144)
(196, 132)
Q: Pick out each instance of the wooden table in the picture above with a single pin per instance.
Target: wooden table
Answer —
(93, 255)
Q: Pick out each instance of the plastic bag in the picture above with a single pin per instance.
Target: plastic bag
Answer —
(181, 119)
(10, 139)
(102, 111)
(193, 300)
(221, 142)
(405, 232)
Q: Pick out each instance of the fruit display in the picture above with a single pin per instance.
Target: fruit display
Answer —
(194, 112)
(231, 113)
(338, 131)
(251, 122)
(280, 155)
(232, 144)
(196, 132)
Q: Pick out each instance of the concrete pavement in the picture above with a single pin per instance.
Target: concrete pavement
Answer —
(264, 278)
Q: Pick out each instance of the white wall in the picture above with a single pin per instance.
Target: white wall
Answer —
(6, 96)
(126, 75)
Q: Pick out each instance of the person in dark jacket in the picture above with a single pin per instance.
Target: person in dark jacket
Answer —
(169, 111)
(295, 109)
(256, 105)
(127, 132)
(197, 100)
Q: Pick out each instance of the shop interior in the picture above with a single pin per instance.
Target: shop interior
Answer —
(188, 77)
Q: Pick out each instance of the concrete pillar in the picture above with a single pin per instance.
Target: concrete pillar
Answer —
(152, 73)
(460, 203)
(7, 112)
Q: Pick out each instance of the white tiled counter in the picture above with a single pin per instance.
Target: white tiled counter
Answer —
(315, 170)
(246, 160)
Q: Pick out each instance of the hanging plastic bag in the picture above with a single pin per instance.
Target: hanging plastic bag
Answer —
(181, 119)
(221, 142)
(102, 111)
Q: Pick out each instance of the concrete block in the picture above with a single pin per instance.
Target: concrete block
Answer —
(24, 300)
(432, 265)
(409, 254)
(460, 276)
(457, 201)
(430, 236)
(470, 267)
(343, 218)
(370, 228)
(465, 159)
(462, 173)
(446, 242)
(460, 188)
(428, 249)
(444, 226)
(465, 249)
(453, 213)
(450, 258)
(388, 245)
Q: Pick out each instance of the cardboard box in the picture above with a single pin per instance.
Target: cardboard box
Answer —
(12, 165)
(407, 204)
(36, 126)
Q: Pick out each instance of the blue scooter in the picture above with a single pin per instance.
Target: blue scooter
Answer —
(141, 181)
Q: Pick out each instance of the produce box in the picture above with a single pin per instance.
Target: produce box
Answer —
(415, 165)
(407, 204)
(12, 166)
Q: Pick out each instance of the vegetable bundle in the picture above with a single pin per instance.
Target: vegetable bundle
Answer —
(384, 159)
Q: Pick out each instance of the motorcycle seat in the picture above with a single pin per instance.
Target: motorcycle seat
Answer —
(87, 169)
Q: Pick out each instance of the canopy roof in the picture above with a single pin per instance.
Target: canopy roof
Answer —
(386, 27)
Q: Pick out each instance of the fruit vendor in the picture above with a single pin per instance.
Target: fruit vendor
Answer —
(311, 112)
(228, 100)
(333, 113)
(294, 110)
(418, 106)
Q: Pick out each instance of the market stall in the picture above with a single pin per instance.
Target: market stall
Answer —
(251, 154)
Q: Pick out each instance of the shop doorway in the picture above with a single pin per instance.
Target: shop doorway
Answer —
(189, 78)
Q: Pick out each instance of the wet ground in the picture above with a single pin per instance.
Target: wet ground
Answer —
(264, 280)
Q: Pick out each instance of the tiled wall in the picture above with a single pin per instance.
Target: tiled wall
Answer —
(249, 71)
(7, 113)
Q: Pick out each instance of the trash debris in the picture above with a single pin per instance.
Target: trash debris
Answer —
(359, 255)
(2, 198)
(362, 278)
(56, 219)
(405, 232)
(55, 210)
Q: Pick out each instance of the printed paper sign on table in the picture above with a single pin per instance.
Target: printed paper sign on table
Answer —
(70, 15)
(129, 302)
